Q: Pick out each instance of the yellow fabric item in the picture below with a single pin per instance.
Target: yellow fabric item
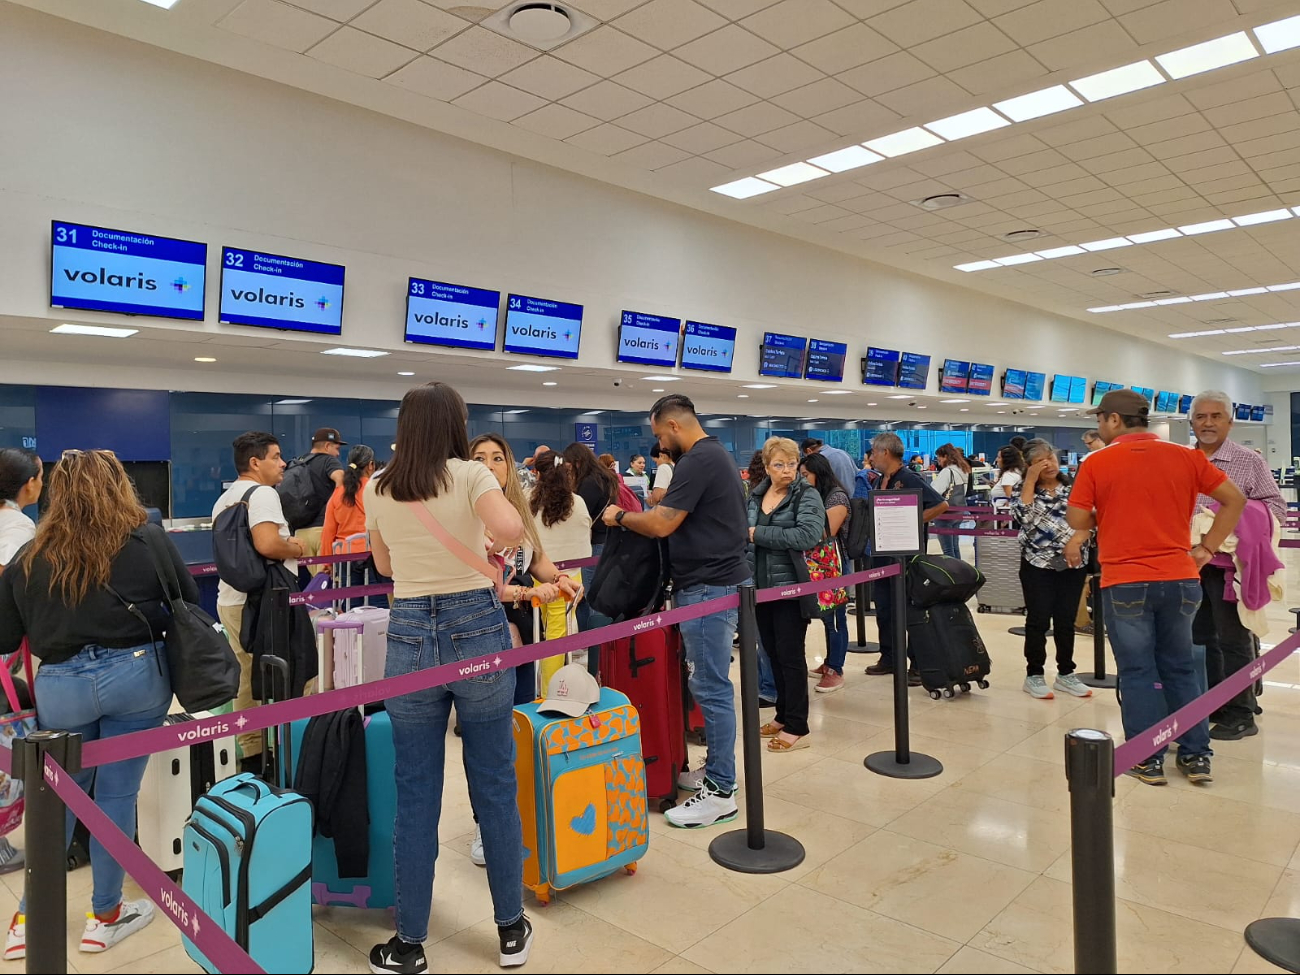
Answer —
(554, 623)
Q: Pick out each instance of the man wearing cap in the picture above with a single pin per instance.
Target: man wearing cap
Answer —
(1139, 493)
(326, 474)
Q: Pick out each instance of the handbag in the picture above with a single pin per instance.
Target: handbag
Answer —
(824, 563)
(16, 723)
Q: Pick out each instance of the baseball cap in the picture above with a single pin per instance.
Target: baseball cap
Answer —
(328, 435)
(571, 691)
(1125, 402)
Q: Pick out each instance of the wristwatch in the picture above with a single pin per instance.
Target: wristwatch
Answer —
(618, 518)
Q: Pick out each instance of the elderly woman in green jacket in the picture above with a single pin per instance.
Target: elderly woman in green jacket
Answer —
(786, 518)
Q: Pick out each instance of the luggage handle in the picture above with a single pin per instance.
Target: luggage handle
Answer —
(636, 663)
(272, 665)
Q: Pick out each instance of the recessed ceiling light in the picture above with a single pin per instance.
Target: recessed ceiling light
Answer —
(845, 159)
(661, 379)
(1151, 236)
(1270, 365)
(1118, 81)
(512, 412)
(965, 409)
(812, 401)
(838, 392)
(1264, 216)
(871, 404)
(103, 331)
(659, 390)
(355, 353)
(954, 401)
(976, 266)
(1281, 35)
(1195, 335)
(1218, 53)
(1036, 104)
(1208, 227)
(901, 396)
(531, 367)
(592, 412)
(995, 404)
(1054, 252)
(550, 382)
(921, 407)
(743, 189)
(742, 396)
(1110, 243)
(1105, 272)
(795, 173)
(759, 386)
(204, 358)
(967, 124)
(165, 4)
(1015, 259)
(901, 143)
(1104, 309)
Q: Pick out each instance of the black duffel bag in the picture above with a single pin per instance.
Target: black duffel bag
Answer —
(631, 576)
(934, 579)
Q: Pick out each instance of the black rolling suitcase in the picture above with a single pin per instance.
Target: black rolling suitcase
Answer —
(947, 649)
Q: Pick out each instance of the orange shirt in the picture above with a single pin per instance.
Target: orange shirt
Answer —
(342, 520)
(1144, 491)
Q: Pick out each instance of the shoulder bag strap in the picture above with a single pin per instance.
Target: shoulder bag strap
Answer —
(478, 563)
(162, 564)
(6, 678)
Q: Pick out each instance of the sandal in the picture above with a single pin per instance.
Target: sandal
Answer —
(770, 730)
(781, 745)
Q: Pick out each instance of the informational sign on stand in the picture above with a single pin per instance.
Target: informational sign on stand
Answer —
(896, 527)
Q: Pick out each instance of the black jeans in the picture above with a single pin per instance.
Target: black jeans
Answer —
(782, 628)
(1229, 646)
(882, 595)
(1051, 599)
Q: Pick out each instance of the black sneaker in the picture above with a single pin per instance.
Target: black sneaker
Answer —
(398, 956)
(1234, 731)
(913, 679)
(1195, 767)
(880, 670)
(516, 940)
(1152, 772)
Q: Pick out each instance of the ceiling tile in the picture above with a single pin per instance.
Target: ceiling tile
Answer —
(411, 23)
(362, 53)
(657, 121)
(995, 8)
(887, 74)
(607, 100)
(793, 22)
(1079, 130)
(484, 52)
(604, 10)
(792, 204)
(1100, 146)
(1234, 89)
(436, 79)
(726, 50)
(743, 155)
(1009, 147)
(1189, 143)
(651, 155)
(964, 47)
(549, 77)
(1271, 143)
(834, 192)
(1033, 162)
(277, 24)
(932, 96)
(662, 77)
(999, 74)
(1274, 103)
(1144, 112)
(862, 120)
(945, 163)
(1173, 128)
(1105, 42)
(340, 10)
(499, 101)
(696, 169)
(1206, 174)
(1115, 161)
(755, 120)
(605, 51)
(1199, 160)
(852, 221)
(715, 98)
(803, 137)
(1050, 18)
(606, 139)
(556, 121)
(920, 20)
(1176, 17)
(669, 23)
(702, 138)
(736, 9)
(774, 76)
(844, 49)
(818, 98)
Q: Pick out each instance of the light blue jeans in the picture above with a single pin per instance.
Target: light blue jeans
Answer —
(425, 632)
(707, 643)
(102, 693)
(836, 623)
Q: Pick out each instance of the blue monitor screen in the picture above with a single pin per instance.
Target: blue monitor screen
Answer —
(826, 361)
(1078, 389)
(1146, 391)
(1257, 413)
(881, 367)
(1185, 404)
(539, 326)
(708, 347)
(954, 376)
(981, 379)
(1243, 411)
(1035, 383)
(650, 340)
(914, 371)
(133, 274)
(1166, 402)
(438, 313)
(1061, 388)
(1013, 384)
(782, 356)
(274, 291)
(1100, 389)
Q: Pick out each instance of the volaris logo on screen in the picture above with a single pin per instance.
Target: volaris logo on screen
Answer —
(103, 277)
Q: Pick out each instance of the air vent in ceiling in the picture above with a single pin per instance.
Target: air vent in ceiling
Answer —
(941, 201)
(1155, 295)
(1105, 272)
(1219, 321)
(1020, 236)
(540, 25)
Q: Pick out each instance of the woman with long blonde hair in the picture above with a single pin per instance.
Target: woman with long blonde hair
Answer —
(86, 594)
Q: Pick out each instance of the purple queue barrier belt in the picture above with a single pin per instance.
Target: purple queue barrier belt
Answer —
(821, 585)
(210, 568)
(172, 902)
(977, 532)
(318, 597)
(1290, 543)
(1142, 746)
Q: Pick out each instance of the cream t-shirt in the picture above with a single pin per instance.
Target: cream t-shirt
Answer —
(569, 539)
(422, 566)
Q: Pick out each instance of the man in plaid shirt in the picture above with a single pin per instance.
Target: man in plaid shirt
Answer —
(1229, 646)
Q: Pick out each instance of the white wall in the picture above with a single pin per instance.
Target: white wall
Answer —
(101, 130)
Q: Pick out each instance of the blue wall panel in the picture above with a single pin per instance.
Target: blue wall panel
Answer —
(133, 423)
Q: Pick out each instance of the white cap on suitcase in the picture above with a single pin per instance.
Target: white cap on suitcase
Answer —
(571, 691)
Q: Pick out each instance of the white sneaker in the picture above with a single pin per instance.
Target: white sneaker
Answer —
(1070, 684)
(132, 916)
(690, 781)
(1036, 686)
(707, 807)
(476, 856)
(16, 939)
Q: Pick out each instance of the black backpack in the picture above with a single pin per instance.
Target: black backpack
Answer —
(239, 564)
(858, 545)
(631, 577)
(298, 495)
(934, 579)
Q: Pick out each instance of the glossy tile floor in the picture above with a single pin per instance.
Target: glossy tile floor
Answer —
(966, 872)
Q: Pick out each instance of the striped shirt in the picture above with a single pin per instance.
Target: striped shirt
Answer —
(1043, 528)
(1247, 470)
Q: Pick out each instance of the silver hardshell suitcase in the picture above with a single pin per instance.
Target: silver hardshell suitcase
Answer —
(998, 557)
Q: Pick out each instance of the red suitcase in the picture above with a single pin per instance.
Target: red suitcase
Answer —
(648, 668)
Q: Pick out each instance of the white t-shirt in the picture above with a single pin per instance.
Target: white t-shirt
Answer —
(16, 530)
(663, 476)
(947, 479)
(263, 506)
(1009, 479)
(569, 539)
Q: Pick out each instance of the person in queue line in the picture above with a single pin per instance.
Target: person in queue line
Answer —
(563, 530)
(86, 594)
(326, 472)
(703, 516)
(950, 484)
(841, 462)
(835, 500)
(445, 610)
(1051, 587)
(1011, 474)
(1229, 645)
(663, 474)
(754, 476)
(887, 458)
(259, 465)
(609, 462)
(526, 469)
(345, 515)
(1139, 493)
(1093, 442)
(596, 484)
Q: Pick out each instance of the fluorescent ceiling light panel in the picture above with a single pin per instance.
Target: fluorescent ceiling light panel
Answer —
(1151, 236)
(1194, 335)
(901, 143)
(1281, 35)
(1234, 331)
(165, 4)
(661, 379)
(512, 412)
(743, 189)
(792, 175)
(1292, 286)
(1110, 243)
(204, 358)
(1264, 216)
(551, 383)
(531, 367)
(355, 353)
(103, 331)
(1182, 300)
(1242, 292)
(954, 401)
(1218, 53)
(1103, 310)
(845, 159)
(967, 124)
(900, 396)
(1209, 227)
(291, 402)
(977, 266)
(1275, 326)
(1136, 304)
(838, 392)
(1054, 252)
(1270, 365)
(1118, 81)
(1015, 259)
(1212, 296)
(1046, 101)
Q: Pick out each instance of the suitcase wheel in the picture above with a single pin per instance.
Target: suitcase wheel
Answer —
(935, 695)
(981, 608)
(666, 804)
(949, 693)
(630, 868)
(983, 685)
(543, 895)
(965, 687)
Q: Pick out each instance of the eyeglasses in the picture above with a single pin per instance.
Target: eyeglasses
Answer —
(783, 467)
(72, 452)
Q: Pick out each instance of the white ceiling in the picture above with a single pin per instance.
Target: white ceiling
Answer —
(671, 97)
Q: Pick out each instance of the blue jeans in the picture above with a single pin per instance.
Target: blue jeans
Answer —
(951, 544)
(837, 637)
(707, 643)
(102, 693)
(766, 680)
(425, 632)
(1150, 629)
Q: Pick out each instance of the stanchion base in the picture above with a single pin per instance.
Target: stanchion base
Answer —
(867, 647)
(780, 852)
(1020, 631)
(921, 766)
(1092, 680)
(1276, 940)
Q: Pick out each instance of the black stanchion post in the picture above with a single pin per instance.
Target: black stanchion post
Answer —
(1276, 940)
(1098, 677)
(902, 762)
(1090, 772)
(862, 601)
(46, 849)
(754, 849)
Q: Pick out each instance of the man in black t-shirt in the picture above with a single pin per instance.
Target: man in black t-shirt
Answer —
(326, 474)
(703, 517)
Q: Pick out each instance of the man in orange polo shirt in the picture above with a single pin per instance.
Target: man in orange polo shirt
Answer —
(1139, 493)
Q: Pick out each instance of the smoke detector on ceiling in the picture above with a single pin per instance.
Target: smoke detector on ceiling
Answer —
(941, 201)
(540, 25)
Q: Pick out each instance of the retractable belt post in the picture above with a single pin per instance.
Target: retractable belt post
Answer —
(1090, 772)
(46, 846)
(862, 606)
(1098, 677)
(753, 849)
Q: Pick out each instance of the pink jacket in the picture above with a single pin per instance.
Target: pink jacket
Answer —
(1250, 557)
